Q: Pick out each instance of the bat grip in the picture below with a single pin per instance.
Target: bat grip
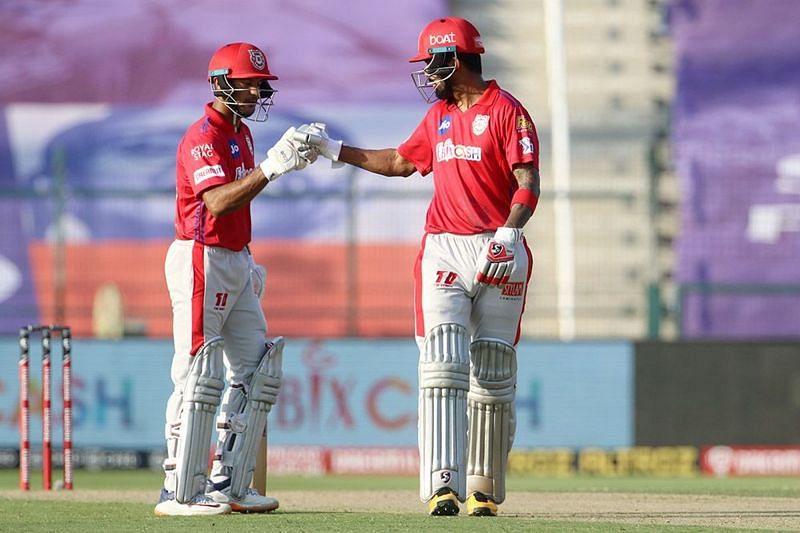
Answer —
(307, 138)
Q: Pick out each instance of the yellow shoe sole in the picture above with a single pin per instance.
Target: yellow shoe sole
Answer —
(443, 505)
(479, 508)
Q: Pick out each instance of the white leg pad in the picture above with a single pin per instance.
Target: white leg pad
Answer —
(444, 382)
(243, 421)
(492, 420)
(201, 397)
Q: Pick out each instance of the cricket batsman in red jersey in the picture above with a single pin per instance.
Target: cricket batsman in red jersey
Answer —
(473, 270)
(219, 328)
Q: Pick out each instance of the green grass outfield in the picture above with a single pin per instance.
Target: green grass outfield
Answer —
(85, 509)
(151, 480)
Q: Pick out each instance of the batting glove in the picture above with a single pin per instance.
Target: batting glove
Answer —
(316, 134)
(286, 156)
(496, 263)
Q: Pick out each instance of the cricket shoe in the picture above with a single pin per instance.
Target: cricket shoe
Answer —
(443, 503)
(250, 502)
(200, 505)
(479, 504)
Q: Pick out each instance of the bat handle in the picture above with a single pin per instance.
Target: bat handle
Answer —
(307, 138)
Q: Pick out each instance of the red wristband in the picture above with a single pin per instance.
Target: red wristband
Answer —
(526, 198)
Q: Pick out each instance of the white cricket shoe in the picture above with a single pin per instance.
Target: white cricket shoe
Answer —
(201, 505)
(251, 502)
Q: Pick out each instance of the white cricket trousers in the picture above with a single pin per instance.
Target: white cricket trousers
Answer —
(446, 290)
(212, 295)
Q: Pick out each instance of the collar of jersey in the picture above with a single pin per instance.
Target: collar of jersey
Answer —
(216, 118)
(486, 99)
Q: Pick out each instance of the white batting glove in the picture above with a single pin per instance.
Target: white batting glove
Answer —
(496, 262)
(307, 152)
(316, 134)
(285, 156)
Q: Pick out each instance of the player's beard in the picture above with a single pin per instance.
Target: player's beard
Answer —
(444, 91)
(246, 109)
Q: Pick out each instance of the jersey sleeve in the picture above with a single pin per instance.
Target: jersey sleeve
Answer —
(417, 149)
(204, 163)
(521, 139)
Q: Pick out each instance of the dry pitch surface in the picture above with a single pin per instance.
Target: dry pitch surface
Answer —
(640, 509)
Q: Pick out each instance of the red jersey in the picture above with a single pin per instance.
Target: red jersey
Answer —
(471, 154)
(212, 153)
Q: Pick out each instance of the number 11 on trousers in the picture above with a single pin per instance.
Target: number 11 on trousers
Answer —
(222, 300)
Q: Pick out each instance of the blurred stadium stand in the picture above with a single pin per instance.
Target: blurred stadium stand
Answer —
(618, 60)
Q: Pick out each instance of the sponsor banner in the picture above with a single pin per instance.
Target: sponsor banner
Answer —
(336, 393)
(386, 461)
(558, 462)
(639, 461)
(723, 461)
(679, 461)
(636, 461)
(320, 460)
(297, 460)
(87, 458)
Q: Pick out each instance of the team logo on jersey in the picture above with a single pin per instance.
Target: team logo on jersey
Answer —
(257, 59)
(234, 149)
(201, 151)
(444, 125)
(445, 151)
(527, 145)
(480, 124)
(523, 123)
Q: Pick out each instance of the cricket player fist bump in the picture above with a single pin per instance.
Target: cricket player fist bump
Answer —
(286, 155)
(315, 136)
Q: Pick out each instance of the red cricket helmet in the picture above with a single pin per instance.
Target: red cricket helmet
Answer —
(448, 34)
(240, 60)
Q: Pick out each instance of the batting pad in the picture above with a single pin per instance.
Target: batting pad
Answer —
(244, 418)
(201, 397)
(444, 382)
(492, 421)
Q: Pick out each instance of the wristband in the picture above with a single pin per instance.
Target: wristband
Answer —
(525, 197)
(267, 170)
(508, 235)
